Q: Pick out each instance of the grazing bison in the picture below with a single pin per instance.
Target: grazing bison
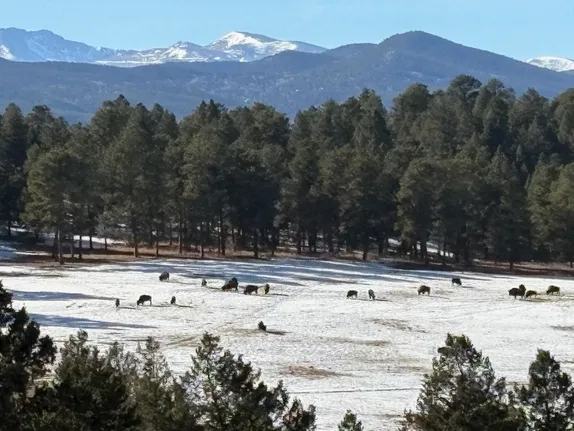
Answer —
(250, 288)
(552, 290)
(267, 289)
(262, 326)
(164, 276)
(424, 289)
(371, 294)
(457, 281)
(521, 291)
(117, 303)
(144, 298)
(352, 294)
(203, 283)
(231, 284)
(530, 293)
(172, 302)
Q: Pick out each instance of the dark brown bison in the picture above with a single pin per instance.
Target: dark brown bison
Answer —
(520, 291)
(456, 281)
(144, 298)
(424, 289)
(231, 285)
(262, 326)
(352, 294)
(250, 288)
(172, 302)
(530, 293)
(552, 290)
(267, 288)
(164, 276)
(203, 283)
(371, 294)
(117, 303)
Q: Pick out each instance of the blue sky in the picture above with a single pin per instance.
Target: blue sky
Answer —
(517, 28)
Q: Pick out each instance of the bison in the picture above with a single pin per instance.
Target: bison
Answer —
(352, 294)
(530, 293)
(231, 285)
(520, 291)
(456, 281)
(164, 276)
(117, 303)
(552, 290)
(250, 288)
(172, 302)
(267, 289)
(203, 283)
(424, 289)
(144, 298)
(262, 326)
(371, 294)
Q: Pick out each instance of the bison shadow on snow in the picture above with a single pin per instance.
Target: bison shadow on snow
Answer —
(20, 295)
(81, 323)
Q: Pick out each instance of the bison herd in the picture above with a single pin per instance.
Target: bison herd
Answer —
(232, 284)
(515, 291)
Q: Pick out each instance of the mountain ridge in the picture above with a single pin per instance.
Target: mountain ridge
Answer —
(44, 45)
(290, 80)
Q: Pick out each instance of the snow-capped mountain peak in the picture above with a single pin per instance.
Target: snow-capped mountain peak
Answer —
(558, 64)
(43, 45)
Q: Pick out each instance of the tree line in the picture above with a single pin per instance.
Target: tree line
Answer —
(475, 169)
(136, 391)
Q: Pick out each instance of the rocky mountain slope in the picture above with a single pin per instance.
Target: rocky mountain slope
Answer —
(290, 80)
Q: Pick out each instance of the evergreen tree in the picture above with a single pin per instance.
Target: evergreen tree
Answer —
(462, 392)
(548, 399)
(228, 394)
(24, 358)
(350, 423)
(562, 214)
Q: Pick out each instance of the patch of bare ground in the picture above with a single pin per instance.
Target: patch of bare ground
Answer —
(563, 328)
(252, 332)
(311, 372)
(27, 274)
(357, 342)
(401, 325)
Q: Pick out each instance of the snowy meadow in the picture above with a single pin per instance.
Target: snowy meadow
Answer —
(333, 352)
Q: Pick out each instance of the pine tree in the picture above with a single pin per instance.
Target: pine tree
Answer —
(548, 399)
(562, 214)
(24, 358)
(228, 394)
(350, 423)
(462, 392)
(88, 392)
(13, 148)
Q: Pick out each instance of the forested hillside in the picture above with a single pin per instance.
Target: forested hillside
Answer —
(475, 169)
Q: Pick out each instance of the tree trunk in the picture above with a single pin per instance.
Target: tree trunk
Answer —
(444, 250)
(365, 247)
(55, 246)
(106, 243)
(298, 239)
(330, 242)
(273, 241)
(157, 247)
(9, 227)
(135, 234)
(170, 233)
(80, 255)
(180, 234)
(222, 233)
(91, 240)
(256, 244)
(60, 254)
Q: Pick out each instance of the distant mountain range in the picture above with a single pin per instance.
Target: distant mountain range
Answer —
(289, 80)
(43, 45)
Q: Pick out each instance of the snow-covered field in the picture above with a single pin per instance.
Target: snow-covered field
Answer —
(334, 352)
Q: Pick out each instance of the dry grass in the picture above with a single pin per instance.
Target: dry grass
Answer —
(401, 325)
(311, 372)
(357, 342)
(564, 328)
